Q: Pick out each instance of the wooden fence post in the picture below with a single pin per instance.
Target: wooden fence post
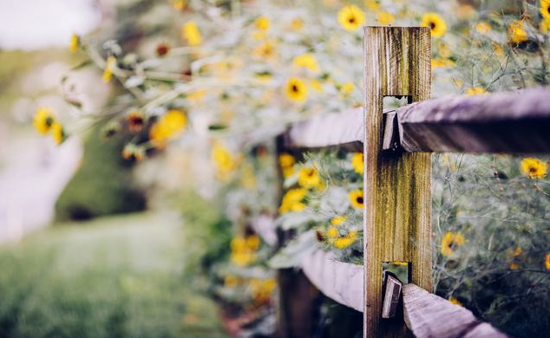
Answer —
(397, 185)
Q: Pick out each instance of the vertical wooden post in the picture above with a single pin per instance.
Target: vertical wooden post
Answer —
(397, 186)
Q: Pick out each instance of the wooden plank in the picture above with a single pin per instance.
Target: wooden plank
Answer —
(430, 316)
(397, 186)
(327, 130)
(501, 122)
(337, 280)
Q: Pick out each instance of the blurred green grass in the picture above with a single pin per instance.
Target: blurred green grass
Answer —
(114, 277)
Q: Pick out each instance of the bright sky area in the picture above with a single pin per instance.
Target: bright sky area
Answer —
(37, 24)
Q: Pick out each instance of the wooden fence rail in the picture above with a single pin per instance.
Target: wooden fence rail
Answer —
(397, 219)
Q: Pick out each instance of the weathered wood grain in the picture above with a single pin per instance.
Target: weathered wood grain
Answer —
(430, 316)
(342, 282)
(397, 186)
(511, 122)
(327, 130)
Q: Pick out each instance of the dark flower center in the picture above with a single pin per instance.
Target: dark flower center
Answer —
(295, 88)
(351, 20)
(360, 200)
(532, 169)
(432, 25)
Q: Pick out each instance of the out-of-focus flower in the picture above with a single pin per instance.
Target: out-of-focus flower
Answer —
(286, 161)
(450, 242)
(356, 198)
(346, 241)
(223, 160)
(265, 51)
(464, 11)
(296, 89)
(517, 32)
(162, 49)
(170, 125)
(293, 200)
(316, 85)
(243, 251)
(436, 24)
(262, 23)
(475, 91)
(178, 4)
(547, 261)
(262, 289)
(351, 18)
(545, 9)
(442, 63)
(483, 27)
(110, 65)
(230, 281)
(347, 88)
(308, 61)
(297, 24)
(309, 178)
(514, 266)
(75, 43)
(58, 133)
(357, 162)
(455, 301)
(43, 120)
(534, 168)
(372, 4)
(338, 220)
(332, 233)
(190, 32)
(385, 18)
(442, 49)
(135, 121)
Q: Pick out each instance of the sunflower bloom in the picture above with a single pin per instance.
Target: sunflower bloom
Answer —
(170, 125)
(351, 18)
(547, 261)
(436, 24)
(43, 120)
(293, 200)
(450, 242)
(261, 290)
(262, 23)
(338, 220)
(483, 27)
(58, 133)
(75, 43)
(534, 168)
(476, 91)
(517, 32)
(265, 51)
(190, 32)
(346, 241)
(296, 90)
(223, 160)
(385, 18)
(356, 198)
(357, 162)
(286, 161)
(332, 233)
(545, 9)
(307, 61)
(309, 178)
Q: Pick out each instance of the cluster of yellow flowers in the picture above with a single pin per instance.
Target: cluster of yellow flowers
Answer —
(261, 290)
(45, 123)
(243, 250)
(339, 237)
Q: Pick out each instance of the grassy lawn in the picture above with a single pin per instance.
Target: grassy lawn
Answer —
(112, 277)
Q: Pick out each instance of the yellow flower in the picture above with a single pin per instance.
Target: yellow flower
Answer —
(262, 23)
(347, 88)
(517, 251)
(385, 18)
(307, 61)
(178, 4)
(332, 233)
(338, 220)
(545, 9)
(262, 289)
(455, 301)
(286, 160)
(243, 250)
(436, 24)
(356, 198)
(514, 266)
(253, 242)
(223, 160)
(296, 90)
(533, 167)
(476, 91)
(109, 67)
(544, 25)
(309, 178)
(483, 27)
(517, 32)
(547, 261)
(58, 133)
(346, 241)
(75, 42)
(450, 242)
(296, 24)
(265, 50)
(372, 4)
(442, 63)
(230, 281)
(357, 162)
(316, 85)
(170, 125)
(43, 120)
(351, 17)
(191, 33)
(292, 200)
(196, 96)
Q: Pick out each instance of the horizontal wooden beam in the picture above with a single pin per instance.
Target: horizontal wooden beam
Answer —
(506, 122)
(430, 316)
(327, 130)
(342, 282)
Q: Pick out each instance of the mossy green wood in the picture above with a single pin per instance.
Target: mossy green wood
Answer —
(397, 186)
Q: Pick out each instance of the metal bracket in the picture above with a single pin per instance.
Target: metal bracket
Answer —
(391, 289)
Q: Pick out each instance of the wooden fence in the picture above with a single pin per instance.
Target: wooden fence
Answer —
(397, 185)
